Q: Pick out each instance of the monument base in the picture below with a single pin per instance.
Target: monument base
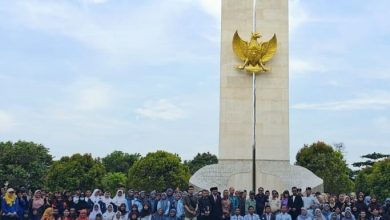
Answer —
(271, 175)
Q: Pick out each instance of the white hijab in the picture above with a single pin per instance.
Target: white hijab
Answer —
(105, 200)
(92, 215)
(109, 215)
(118, 200)
(94, 198)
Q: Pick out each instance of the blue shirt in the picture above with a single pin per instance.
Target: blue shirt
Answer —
(284, 216)
(13, 208)
(235, 217)
(251, 217)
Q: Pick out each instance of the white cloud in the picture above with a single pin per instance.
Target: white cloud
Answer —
(131, 35)
(298, 15)
(300, 66)
(382, 123)
(212, 7)
(376, 101)
(7, 122)
(95, 1)
(161, 109)
(93, 96)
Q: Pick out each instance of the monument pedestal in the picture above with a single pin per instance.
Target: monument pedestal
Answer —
(271, 175)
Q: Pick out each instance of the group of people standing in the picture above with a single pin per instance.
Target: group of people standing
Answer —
(203, 205)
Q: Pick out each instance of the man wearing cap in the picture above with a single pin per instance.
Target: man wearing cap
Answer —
(216, 204)
(9, 205)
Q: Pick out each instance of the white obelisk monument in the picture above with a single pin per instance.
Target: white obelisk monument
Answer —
(273, 168)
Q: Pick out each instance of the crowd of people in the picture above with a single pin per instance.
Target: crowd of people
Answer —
(203, 205)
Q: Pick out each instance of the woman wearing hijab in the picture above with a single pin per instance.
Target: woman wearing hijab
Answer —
(119, 199)
(106, 199)
(172, 215)
(48, 214)
(37, 205)
(348, 214)
(326, 211)
(318, 215)
(117, 216)
(304, 215)
(109, 214)
(9, 205)
(96, 210)
(159, 215)
(95, 197)
(164, 204)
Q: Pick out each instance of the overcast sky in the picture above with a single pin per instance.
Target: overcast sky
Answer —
(141, 75)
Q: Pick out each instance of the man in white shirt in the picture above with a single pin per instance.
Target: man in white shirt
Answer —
(251, 214)
(309, 201)
(283, 215)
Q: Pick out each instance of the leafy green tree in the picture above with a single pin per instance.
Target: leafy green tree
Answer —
(119, 161)
(375, 180)
(158, 171)
(327, 163)
(24, 163)
(112, 181)
(370, 159)
(77, 171)
(201, 160)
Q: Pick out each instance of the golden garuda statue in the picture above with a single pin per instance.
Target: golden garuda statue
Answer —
(254, 54)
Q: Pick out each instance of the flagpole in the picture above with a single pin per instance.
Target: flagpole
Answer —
(254, 110)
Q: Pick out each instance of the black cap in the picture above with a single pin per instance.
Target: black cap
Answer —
(213, 188)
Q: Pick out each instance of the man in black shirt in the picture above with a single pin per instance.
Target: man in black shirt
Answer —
(204, 206)
(216, 204)
(295, 203)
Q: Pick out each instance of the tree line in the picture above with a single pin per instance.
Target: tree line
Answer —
(30, 165)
